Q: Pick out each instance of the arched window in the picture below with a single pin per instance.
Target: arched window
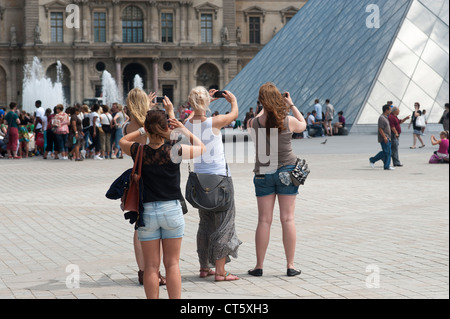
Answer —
(132, 25)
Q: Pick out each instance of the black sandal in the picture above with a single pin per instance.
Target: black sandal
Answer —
(255, 272)
(293, 272)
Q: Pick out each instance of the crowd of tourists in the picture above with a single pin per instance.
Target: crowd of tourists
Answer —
(76, 133)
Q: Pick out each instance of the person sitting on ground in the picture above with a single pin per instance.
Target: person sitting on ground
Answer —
(340, 124)
(441, 155)
(314, 124)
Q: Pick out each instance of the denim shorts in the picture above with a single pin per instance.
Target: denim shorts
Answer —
(278, 183)
(163, 220)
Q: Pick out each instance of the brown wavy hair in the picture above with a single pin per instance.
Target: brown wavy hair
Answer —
(274, 106)
(156, 124)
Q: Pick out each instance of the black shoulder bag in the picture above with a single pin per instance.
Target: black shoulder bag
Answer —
(209, 192)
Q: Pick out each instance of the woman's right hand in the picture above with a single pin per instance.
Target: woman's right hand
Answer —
(211, 94)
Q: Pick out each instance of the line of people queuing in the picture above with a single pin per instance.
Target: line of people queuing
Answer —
(159, 232)
(76, 133)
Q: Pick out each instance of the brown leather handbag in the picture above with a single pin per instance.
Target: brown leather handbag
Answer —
(130, 198)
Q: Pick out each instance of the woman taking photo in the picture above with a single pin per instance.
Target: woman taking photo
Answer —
(138, 105)
(163, 215)
(272, 179)
(216, 237)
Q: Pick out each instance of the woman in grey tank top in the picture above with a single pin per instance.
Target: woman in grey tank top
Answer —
(272, 129)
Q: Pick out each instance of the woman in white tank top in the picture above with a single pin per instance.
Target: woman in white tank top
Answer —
(216, 236)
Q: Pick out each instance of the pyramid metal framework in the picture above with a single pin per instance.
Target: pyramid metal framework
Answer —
(330, 50)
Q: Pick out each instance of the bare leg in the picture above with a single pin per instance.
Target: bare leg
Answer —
(171, 259)
(262, 236)
(287, 209)
(421, 141)
(138, 252)
(152, 258)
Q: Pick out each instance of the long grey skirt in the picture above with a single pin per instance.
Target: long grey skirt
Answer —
(216, 236)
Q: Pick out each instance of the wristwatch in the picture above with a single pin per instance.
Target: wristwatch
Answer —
(142, 131)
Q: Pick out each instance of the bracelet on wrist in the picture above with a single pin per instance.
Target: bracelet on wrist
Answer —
(142, 131)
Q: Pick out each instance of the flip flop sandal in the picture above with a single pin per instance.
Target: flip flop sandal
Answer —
(413, 148)
(226, 276)
(206, 273)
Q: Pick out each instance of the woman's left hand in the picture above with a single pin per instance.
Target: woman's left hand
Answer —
(168, 104)
(288, 99)
(230, 97)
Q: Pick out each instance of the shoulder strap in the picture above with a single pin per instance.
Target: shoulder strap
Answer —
(138, 161)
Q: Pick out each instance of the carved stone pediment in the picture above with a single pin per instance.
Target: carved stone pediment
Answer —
(55, 5)
(255, 10)
(288, 12)
(207, 8)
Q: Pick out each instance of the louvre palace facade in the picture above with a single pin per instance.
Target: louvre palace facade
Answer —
(172, 45)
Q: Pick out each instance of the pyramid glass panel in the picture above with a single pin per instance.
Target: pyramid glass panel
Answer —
(330, 50)
(421, 52)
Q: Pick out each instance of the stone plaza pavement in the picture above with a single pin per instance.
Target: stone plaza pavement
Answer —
(362, 232)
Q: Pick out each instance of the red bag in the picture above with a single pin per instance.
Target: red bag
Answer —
(130, 198)
(40, 140)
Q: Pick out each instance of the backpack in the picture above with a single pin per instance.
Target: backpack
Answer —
(85, 123)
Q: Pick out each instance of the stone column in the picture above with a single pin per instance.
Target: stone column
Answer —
(155, 75)
(191, 75)
(116, 18)
(226, 62)
(85, 85)
(184, 79)
(183, 21)
(119, 75)
(153, 22)
(14, 62)
(85, 20)
(78, 80)
(188, 19)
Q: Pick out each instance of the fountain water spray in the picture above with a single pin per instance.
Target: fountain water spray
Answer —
(138, 83)
(110, 89)
(36, 86)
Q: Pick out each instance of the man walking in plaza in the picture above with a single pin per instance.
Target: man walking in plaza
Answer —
(396, 129)
(384, 138)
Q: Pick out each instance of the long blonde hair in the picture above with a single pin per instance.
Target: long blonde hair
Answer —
(200, 99)
(138, 105)
(274, 106)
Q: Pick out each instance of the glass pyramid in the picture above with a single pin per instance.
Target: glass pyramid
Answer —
(328, 51)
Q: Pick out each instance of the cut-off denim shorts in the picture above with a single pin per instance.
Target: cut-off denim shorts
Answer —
(279, 183)
(163, 220)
